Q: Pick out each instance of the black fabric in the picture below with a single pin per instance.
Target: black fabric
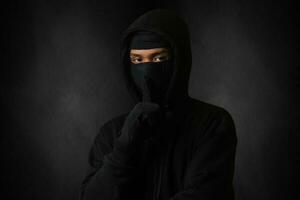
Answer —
(148, 40)
(194, 156)
(156, 75)
(141, 124)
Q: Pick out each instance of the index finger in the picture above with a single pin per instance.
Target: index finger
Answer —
(146, 91)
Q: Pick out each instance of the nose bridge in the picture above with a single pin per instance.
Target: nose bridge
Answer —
(147, 59)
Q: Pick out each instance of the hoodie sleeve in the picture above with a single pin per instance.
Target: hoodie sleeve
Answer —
(105, 178)
(209, 175)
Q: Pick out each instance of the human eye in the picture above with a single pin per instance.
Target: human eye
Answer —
(136, 60)
(160, 58)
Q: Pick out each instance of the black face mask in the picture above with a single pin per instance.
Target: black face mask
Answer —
(157, 76)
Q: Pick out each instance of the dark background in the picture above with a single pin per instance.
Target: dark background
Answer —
(61, 81)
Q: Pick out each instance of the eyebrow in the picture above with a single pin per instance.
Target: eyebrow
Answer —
(156, 53)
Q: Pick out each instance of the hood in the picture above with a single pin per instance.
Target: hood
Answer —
(175, 30)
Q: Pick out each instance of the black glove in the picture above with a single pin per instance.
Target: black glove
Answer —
(141, 123)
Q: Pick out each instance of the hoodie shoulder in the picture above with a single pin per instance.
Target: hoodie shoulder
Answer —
(211, 122)
(207, 107)
(207, 112)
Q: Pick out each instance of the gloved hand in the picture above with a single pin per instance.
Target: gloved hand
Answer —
(141, 123)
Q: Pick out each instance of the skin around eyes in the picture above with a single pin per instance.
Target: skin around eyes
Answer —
(149, 55)
(158, 58)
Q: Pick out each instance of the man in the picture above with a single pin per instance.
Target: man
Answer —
(169, 146)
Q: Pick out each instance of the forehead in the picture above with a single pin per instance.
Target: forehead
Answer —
(145, 52)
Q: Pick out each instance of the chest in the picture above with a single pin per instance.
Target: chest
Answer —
(166, 165)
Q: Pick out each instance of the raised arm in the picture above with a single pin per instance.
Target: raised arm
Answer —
(105, 178)
(114, 165)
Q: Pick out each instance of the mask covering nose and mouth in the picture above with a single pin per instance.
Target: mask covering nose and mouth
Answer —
(156, 75)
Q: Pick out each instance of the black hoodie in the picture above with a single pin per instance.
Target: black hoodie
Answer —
(194, 159)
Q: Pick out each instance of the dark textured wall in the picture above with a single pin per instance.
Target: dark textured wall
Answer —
(62, 80)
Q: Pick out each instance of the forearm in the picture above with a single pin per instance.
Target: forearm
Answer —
(115, 177)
